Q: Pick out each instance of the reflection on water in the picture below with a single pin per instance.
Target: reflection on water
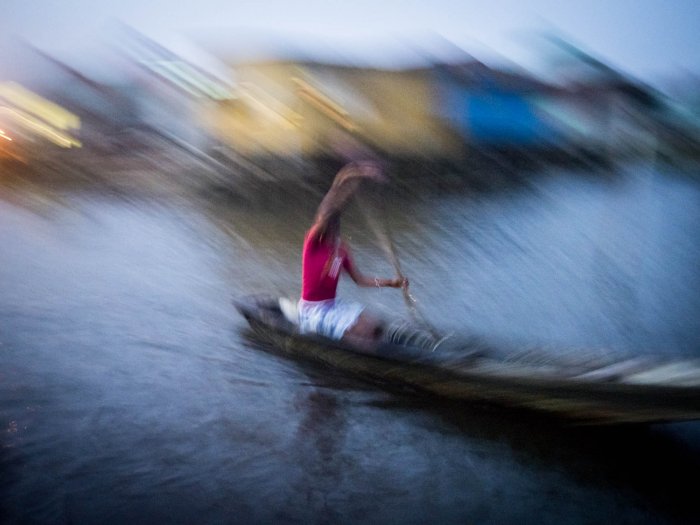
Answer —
(129, 393)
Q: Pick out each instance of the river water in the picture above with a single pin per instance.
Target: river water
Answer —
(130, 391)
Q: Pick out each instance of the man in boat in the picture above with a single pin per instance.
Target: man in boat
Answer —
(325, 255)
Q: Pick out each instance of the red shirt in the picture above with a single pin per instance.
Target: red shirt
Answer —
(321, 265)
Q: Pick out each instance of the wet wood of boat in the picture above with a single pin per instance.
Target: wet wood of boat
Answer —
(624, 391)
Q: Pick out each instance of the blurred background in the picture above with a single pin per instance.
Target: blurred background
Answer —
(159, 158)
(244, 90)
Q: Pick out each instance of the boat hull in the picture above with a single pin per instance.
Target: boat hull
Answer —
(479, 377)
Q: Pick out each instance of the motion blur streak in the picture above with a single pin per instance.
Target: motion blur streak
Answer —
(141, 192)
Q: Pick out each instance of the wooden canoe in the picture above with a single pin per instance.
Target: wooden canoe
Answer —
(625, 391)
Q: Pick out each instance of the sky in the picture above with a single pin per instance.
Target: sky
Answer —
(648, 39)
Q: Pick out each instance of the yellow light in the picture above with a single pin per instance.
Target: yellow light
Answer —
(324, 104)
(269, 106)
(62, 139)
(20, 97)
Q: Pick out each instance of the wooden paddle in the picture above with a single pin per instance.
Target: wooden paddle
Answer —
(387, 244)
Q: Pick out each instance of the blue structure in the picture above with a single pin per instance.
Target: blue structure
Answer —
(486, 113)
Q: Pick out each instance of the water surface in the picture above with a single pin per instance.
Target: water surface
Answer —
(130, 392)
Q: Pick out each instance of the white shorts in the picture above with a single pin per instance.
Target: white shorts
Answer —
(330, 318)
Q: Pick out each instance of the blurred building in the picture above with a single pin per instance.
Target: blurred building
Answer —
(104, 112)
(284, 116)
(33, 121)
(301, 109)
(170, 95)
(608, 114)
(494, 108)
(151, 106)
(305, 109)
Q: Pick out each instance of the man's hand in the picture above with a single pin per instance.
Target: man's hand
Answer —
(366, 169)
(399, 282)
(346, 183)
